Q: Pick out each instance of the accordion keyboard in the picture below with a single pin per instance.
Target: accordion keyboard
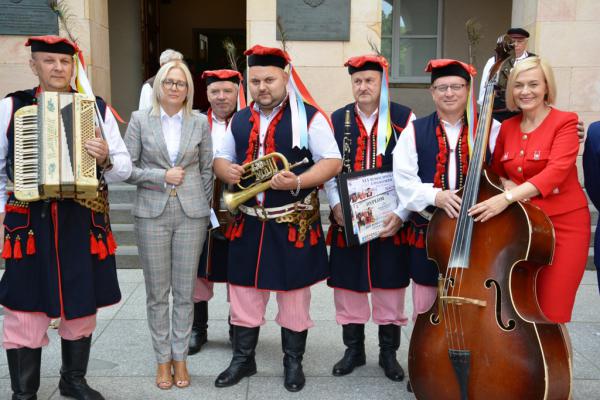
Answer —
(26, 169)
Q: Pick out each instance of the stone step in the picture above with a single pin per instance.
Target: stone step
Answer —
(124, 234)
(121, 214)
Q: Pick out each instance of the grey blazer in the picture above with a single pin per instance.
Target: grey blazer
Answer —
(146, 145)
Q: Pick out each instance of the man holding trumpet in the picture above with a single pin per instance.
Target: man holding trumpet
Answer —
(276, 242)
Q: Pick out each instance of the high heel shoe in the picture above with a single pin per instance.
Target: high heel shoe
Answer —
(182, 376)
(164, 376)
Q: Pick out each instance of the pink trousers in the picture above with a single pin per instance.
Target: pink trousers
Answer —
(387, 304)
(248, 307)
(203, 291)
(28, 329)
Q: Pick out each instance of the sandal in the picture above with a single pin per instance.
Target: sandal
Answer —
(164, 377)
(182, 376)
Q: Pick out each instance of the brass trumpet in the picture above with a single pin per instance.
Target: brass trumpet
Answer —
(262, 170)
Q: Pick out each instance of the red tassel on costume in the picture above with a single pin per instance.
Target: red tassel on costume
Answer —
(421, 240)
(314, 237)
(397, 240)
(341, 243)
(329, 236)
(292, 233)
(102, 251)
(229, 231)
(93, 244)
(30, 244)
(239, 229)
(319, 234)
(403, 236)
(17, 252)
(7, 251)
(299, 244)
(111, 243)
(411, 236)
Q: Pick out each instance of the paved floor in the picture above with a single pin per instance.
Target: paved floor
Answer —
(122, 364)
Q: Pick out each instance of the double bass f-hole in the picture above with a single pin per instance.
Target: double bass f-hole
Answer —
(511, 322)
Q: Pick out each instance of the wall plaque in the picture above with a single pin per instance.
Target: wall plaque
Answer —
(27, 17)
(326, 20)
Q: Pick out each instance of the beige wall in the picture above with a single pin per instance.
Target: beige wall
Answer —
(90, 28)
(320, 64)
(494, 17)
(566, 33)
(126, 66)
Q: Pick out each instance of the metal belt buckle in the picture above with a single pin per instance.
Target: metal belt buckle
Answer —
(261, 212)
(173, 192)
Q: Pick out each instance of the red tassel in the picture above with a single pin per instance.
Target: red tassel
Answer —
(421, 240)
(102, 251)
(17, 252)
(411, 236)
(229, 231)
(239, 229)
(291, 233)
(93, 244)
(319, 234)
(341, 243)
(111, 243)
(329, 236)
(314, 238)
(397, 240)
(30, 243)
(403, 236)
(7, 251)
(299, 244)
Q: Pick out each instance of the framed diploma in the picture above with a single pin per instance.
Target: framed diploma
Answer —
(366, 197)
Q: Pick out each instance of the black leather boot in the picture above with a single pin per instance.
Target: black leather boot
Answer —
(199, 334)
(354, 356)
(389, 342)
(243, 363)
(230, 329)
(75, 357)
(24, 368)
(293, 344)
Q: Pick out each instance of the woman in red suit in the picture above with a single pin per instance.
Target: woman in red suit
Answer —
(535, 158)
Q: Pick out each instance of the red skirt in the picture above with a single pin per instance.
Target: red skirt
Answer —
(557, 283)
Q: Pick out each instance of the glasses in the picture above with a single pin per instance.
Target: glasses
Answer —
(444, 88)
(169, 84)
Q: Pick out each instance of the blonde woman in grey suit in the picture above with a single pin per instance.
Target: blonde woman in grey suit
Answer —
(171, 151)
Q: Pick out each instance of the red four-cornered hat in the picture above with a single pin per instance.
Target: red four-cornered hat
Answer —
(448, 67)
(267, 56)
(370, 62)
(52, 44)
(222, 75)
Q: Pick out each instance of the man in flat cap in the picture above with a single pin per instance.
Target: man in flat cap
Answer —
(52, 268)
(225, 93)
(373, 267)
(276, 243)
(520, 38)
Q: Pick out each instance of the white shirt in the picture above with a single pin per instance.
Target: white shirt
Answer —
(217, 131)
(486, 74)
(121, 161)
(413, 194)
(171, 128)
(321, 141)
(331, 188)
(145, 97)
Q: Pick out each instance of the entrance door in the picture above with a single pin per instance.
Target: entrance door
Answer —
(150, 18)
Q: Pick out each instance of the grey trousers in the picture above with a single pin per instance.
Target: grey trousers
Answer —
(169, 248)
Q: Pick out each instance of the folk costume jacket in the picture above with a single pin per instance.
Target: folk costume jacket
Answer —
(59, 254)
(377, 264)
(268, 254)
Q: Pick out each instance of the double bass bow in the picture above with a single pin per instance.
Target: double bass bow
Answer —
(486, 337)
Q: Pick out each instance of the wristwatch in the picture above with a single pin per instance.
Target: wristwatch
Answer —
(508, 196)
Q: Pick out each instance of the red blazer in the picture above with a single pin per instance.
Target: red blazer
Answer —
(544, 157)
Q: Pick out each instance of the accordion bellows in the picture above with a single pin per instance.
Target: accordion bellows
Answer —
(50, 157)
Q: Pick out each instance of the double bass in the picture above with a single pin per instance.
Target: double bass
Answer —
(486, 337)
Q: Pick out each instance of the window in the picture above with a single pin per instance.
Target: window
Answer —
(410, 36)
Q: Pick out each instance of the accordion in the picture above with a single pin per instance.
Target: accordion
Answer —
(50, 160)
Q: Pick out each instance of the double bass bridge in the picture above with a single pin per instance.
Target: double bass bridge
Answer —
(460, 300)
